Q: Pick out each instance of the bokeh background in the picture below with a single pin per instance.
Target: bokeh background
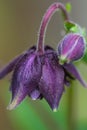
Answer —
(19, 24)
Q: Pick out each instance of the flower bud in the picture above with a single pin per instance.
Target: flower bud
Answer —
(71, 48)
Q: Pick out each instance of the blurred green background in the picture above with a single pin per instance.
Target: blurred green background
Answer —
(19, 23)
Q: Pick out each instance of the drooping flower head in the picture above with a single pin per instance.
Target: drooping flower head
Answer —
(37, 73)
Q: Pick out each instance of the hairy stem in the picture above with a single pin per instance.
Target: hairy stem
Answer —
(46, 18)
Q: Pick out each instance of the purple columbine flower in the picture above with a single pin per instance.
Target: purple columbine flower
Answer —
(37, 72)
(71, 48)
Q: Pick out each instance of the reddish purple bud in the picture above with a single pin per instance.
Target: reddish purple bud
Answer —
(71, 48)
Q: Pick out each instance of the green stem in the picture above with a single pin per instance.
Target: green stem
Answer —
(72, 104)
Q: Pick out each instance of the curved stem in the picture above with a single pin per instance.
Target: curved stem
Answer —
(51, 10)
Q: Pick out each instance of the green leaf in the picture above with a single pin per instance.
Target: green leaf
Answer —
(68, 25)
(84, 59)
(68, 7)
(84, 32)
(72, 27)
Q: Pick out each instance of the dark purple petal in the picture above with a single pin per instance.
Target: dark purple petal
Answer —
(9, 67)
(35, 95)
(68, 78)
(71, 48)
(70, 68)
(52, 82)
(26, 76)
(67, 83)
(48, 49)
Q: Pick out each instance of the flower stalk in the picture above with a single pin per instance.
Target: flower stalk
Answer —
(46, 18)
